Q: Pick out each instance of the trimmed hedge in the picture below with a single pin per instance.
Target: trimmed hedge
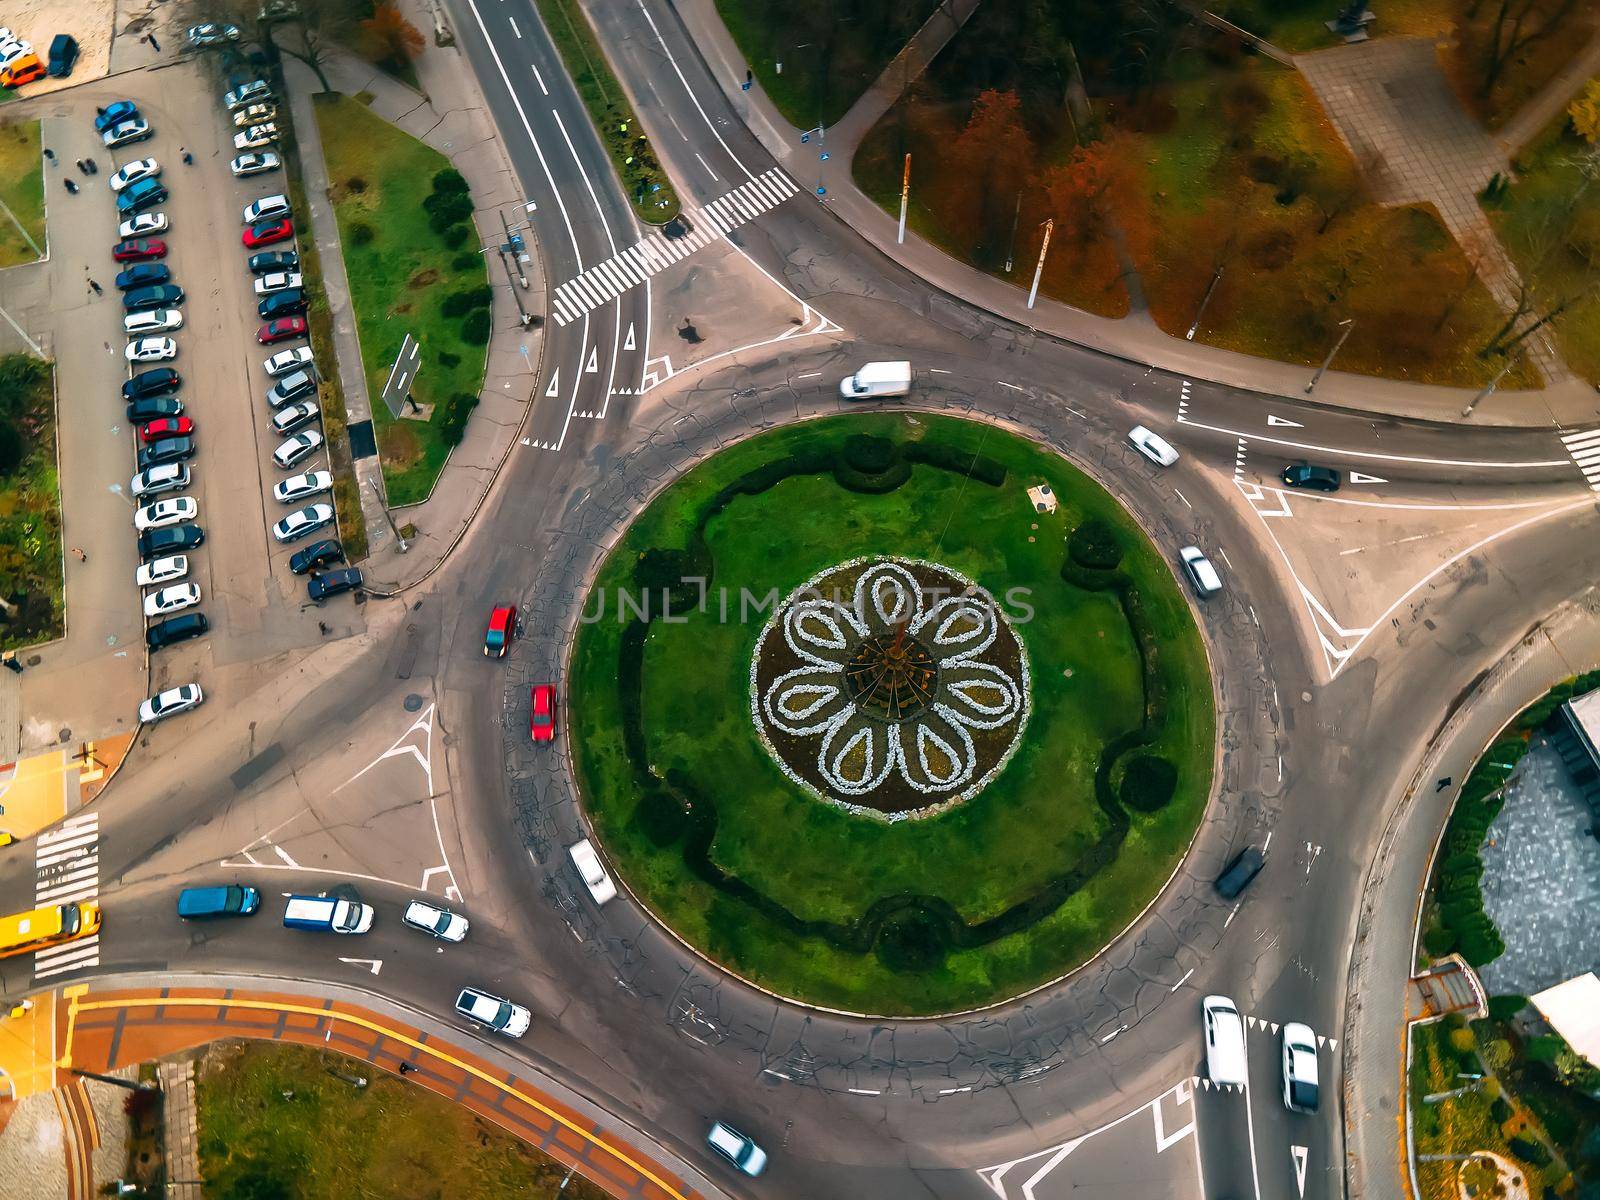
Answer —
(1148, 782)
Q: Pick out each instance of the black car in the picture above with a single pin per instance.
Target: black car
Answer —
(1241, 869)
(63, 53)
(282, 304)
(1316, 479)
(333, 583)
(172, 449)
(273, 260)
(175, 539)
(316, 556)
(152, 383)
(165, 295)
(142, 275)
(137, 201)
(176, 629)
(115, 114)
(151, 408)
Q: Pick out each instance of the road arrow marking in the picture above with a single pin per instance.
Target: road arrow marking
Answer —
(376, 964)
(629, 343)
(1284, 421)
(1298, 1153)
(555, 383)
(1358, 477)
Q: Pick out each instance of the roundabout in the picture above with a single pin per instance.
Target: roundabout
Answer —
(860, 724)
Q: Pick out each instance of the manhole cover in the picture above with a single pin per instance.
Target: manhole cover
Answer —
(413, 702)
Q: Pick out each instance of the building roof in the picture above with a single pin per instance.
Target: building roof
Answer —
(1584, 714)
(1573, 1010)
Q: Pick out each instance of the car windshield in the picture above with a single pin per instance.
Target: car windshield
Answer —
(495, 637)
(541, 718)
(1303, 1094)
(502, 1013)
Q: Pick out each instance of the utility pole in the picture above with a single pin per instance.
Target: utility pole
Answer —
(387, 515)
(1044, 248)
(905, 199)
(1205, 300)
(1348, 323)
(1011, 246)
(1493, 383)
(513, 246)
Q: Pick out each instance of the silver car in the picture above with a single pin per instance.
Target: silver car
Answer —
(172, 701)
(1153, 446)
(303, 521)
(434, 921)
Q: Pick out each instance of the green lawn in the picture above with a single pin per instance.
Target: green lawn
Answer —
(1036, 821)
(22, 191)
(400, 273)
(30, 505)
(330, 1141)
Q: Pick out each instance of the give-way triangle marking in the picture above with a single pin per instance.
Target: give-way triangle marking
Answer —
(1298, 1153)
(594, 360)
(1359, 477)
(555, 383)
(629, 343)
(373, 964)
(1284, 421)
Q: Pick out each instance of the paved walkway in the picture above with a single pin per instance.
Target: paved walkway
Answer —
(944, 23)
(180, 1125)
(1552, 99)
(1136, 338)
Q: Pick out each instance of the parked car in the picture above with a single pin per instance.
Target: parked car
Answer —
(491, 1011)
(165, 427)
(212, 33)
(166, 450)
(333, 583)
(281, 330)
(1201, 573)
(161, 543)
(147, 193)
(1224, 1034)
(169, 703)
(23, 68)
(146, 274)
(542, 712)
(63, 54)
(171, 599)
(738, 1149)
(284, 361)
(1299, 1068)
(151, 349)
(502, 629)
(297, 448)
(153, 408)
(1316, 479)
(136, 129)
(277, 281)
(168, 477)
(292, 387)
(152, 383)
(299, 487)
(132, 173)
(266, 233)
(163, 570)
(1241, 869)
(434, 921)
(157, 320)
(255, 114)
(115, 113)
(282, 304)
(303, 521)
(591, 871)
(138, 249)
(295, 416)
(268, 208)
(175, 510)
(140, 224)
(175, 629)
(247, 93)
(1153, 446)
(254, 164)
(273, 260)
(256, 137)
(316, 556)
(162, 295)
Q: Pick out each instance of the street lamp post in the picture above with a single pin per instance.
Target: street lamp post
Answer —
(905, 199)
(387, 515)
(1493, 383)
(1204, 300)
(1044, 248)
(1348, 324)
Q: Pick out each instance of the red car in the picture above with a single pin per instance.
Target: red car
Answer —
(542, 714)
(264, 233)
(139, 250)
(502, 628)
(166, 427)
(281, 330)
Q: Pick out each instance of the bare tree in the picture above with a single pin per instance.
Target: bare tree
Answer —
(304, 29)
(1515, 25)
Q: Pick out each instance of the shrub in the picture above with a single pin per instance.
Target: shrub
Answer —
(1462, 1041)
(456, 236)
(475, 329)
(868, 454)
(12, 448)
(466, 261)
(449, 358)
(1545, 1048)
(1148, 783)
(1480, 946)
(459, 304)
(1500, 1110)
(1503, 1008)
(912, 941)
(1439, 940)
(361, 234)
(449, 181)
(452, 416)
(1095, 545)
(1530, 1151)
(1497, 1054)
(446, 208)
(661, 818)
(355, 184)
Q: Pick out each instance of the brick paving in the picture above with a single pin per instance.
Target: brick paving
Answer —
(181, 1127)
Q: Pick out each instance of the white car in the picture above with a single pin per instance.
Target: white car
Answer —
(212, 34)
(168, 477)
(255, 137)
(14, 48)
(737, 1149)
(303, 521)
(162, 570)
(246, 93)
(437, 922)
(151, 349)
(152, 320)
(172, 701)
(1200, 571)
(174, 510)
(296, 448)
(254, 114)
(134, 129)
(139, 168)
(254, 164)
(298, 487)
(284, 361)
(1153, 446)
(1224, 1029)
(594, 875)
(268, 208)
(491, 1011)
(276, 281)
(143, 224)
(171, 599)
(1299, 1068)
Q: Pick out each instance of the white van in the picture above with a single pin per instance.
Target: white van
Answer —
(1225, 1061)
(877, 379)
(326, 914)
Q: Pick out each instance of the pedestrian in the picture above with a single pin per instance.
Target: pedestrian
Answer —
(155, 44)
(406, 1068)
(322, 628)
(89, 167)
(72, 188)
(188, 159)
(49, 154)
(78, 162)
(79, 555)
(96, 286)
(9, 658)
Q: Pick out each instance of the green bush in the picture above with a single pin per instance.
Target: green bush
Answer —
(1438, 940)
(1462, 1041)
(1148, 783)
(444, 209)
(1497, 1054)
(1480, 946)
(1504, 1007)
(1545, 1048)
(1095, 545)
(466, 261)
(661, 817)
(361, 234)
(456, 236)
(13, 449)
(912, 941)
(459, 304)
(476, 328)
(449, 181)
(868, 454)
(452, 415)
(1501, 1110)
(1530, 1151)
(449, 358)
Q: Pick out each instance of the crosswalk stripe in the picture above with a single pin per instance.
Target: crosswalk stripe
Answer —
(615, 271)
(60, 856)
(564, 310)
(773, 185)
(1583, 435)
(783, 183)
(707, 217)
(591, 294)
(69, 837)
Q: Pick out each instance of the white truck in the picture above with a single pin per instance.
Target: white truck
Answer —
(876, 380)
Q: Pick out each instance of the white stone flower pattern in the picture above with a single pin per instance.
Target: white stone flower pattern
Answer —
(881, 712)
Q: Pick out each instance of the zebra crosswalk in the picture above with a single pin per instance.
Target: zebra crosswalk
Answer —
(67, 867)
(605, 281)
(1585, 451)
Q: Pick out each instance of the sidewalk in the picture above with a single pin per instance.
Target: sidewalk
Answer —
(1551, 101)
(452, 119)
(181, 1130)
(1136, 338)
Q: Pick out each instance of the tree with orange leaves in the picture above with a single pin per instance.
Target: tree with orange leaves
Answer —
(390, 37)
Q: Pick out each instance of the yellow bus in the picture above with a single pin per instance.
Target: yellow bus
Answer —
(25, 932)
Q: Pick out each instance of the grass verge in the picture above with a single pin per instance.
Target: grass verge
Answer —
(22, 192)
(649, 190)
(31, 582)
(275, 1123)
(402, 273)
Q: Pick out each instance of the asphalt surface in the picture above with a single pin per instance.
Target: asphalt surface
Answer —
(325, 779)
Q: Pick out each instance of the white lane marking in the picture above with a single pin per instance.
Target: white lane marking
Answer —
(1118, 1030)
(1012, 386)
(1164, 1140)
(66, 864)
(372, 964)
(514, 28)
(715, 132)
(1233, 914)
(1182, 497)
(1185, 978)
(1250, 1121)
(1372, 454)
(809, 375)
(1225, 558)
(863, 1092)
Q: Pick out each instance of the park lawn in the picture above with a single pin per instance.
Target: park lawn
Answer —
(30, 506)
(21, 190)
(1032, 822)
(1555, 241)
(332, 1141)
(400, 272)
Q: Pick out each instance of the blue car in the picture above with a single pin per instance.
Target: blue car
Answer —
(137, 197)
(115, 114)
(142, 275)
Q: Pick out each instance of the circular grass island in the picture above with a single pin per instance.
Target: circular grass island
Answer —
(858, 723)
